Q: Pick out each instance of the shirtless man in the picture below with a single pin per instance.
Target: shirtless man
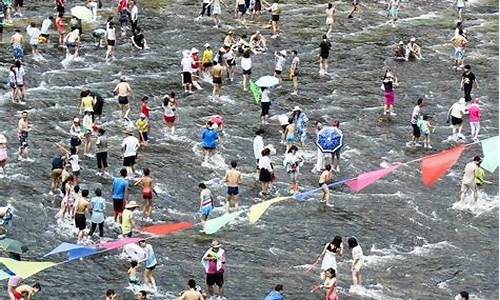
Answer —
(147, 191)
(258, 42)
(23, 127)
(124, 91)
(217, 73)
(400, 50)
(233, 181)
(82, 207)
(24, 292)
(17, 45)
(324, 180)
(459, 42)
(192, 293)
(413, 50)
(72, 41)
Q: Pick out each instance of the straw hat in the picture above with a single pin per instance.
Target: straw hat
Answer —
(215, 244)
(413, 39)
(283, 52)
(131, 204)
(207, 45)
(401, 43)
(194, 50)
(297, 108)
(76, 120)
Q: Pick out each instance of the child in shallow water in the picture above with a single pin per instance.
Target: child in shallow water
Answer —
(132, 273)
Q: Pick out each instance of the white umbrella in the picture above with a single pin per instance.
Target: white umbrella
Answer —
(82, 13)
(267, 81)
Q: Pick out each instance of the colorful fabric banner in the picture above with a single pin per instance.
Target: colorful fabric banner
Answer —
(435, 166)
(163, 229)
(81, 253)
(491, 150)
(119, 243)
(302, 196)
(25, 269)
(369, 178)
(257, 210)
(213, 225)
(256, 91)
(63, 247)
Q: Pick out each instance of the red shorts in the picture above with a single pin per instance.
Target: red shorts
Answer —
(147, 195)
(17, 295)
(169, 119)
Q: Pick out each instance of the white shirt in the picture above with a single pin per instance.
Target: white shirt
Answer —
(265, 162)
(130, 145)
(111, 33)
(415, 114)
(357, 252)
(134, 14)
(45, 26)
(246, 63)
(265, 96)
(187, 64)
(258, 146)
(74, 161)
(280, 63)
(457, 110)
(34, 33)
(19, 75)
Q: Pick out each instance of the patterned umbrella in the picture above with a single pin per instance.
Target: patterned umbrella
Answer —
(329, 139)
(13, 246)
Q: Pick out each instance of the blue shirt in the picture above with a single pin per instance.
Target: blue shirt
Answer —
(97, 204)
(120, 186)
(209, 138)
(274, 295)
(151, 257)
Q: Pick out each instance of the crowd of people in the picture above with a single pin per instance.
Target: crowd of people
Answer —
(88, 137)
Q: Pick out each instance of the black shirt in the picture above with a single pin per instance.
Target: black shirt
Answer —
(468, 78)
(388, 85)
(57, 162)
(139, 40)
(324, 48)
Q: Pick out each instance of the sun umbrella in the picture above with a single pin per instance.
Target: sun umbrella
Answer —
(82, 13)
(13, 246)
(267, 81)
(329, 139)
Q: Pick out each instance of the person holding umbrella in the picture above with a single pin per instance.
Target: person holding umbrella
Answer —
(330, 140)
(265, 83)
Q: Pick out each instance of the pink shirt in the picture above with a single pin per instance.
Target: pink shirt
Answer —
(474, 113)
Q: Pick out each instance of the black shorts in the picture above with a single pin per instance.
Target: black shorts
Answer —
(265, 108)
(456, 121)
(232, 190)
(208, 148)
(80, 221)
(118, 205)
(231, 62)
(247, 72)
(217, 80)
(242, 8)
(416, 130)
(275, 18)
(45, 35)
(143, 136)
(265, 175)
(217, 279)
(151, 268)
(23, 139)
(60, 9)
(19, 3)
(129, 161)
(76, 173)
(186, 78)
(336, 154)
(207, 64)
(324, 55)
(284, 126)
(123, 100)
(75, 141)
(102, 159)
(111, 42)
(277, 72)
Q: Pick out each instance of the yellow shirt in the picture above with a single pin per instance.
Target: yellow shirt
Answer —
(142, 125)
(88, 103)
(127, 219)
(208, 56)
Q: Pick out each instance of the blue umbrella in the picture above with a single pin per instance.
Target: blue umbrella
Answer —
(329, 140)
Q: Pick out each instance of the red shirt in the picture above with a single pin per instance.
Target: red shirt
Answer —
(60, 2)
(122, 5)
(145, 109)
(196, 59)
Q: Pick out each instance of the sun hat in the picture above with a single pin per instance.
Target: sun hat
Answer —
(132, 204)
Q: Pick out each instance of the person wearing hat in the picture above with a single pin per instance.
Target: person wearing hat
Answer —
(455, 116)
(3, 152)
(300, 120)
(469, 179)
(130, 145)
(187, 63)
(280, 64)
(124, 91)
(207, 58)
(128, 222)
(413, 50)
(214, 261)
(142, 126)
(400, 50)
(196, 59)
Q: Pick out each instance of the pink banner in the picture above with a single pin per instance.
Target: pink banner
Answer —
(369, 178)
(119, 243)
